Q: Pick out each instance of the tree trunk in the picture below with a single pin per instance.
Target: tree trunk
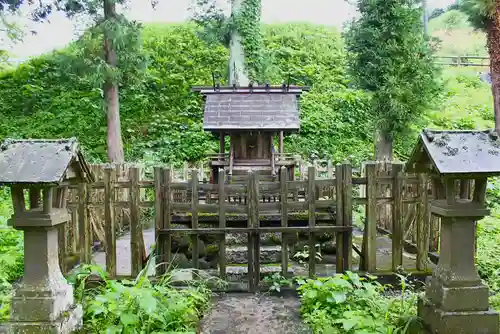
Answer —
(237, 72)
(493, 36)
(111, 101)
(383, 146)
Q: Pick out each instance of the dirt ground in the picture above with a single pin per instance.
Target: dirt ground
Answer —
(252, 314)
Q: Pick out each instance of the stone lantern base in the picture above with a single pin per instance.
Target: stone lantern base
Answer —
(68, 322)
(457, 322)
(43, 302)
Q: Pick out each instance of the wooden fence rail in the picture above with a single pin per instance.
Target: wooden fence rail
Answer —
(310, 213)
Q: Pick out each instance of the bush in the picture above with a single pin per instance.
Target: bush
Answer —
(347, 303)
(139, 306)
(11, 254)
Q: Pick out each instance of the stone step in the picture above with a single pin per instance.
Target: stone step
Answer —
(233, 273)
(239, 254)
(244, 178)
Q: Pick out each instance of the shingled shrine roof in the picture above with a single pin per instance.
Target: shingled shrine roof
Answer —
(458, 152)
(251, 108)
(40, 161)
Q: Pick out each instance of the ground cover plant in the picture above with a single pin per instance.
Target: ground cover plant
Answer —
(139, 305)
(348, 303)
(11, 254)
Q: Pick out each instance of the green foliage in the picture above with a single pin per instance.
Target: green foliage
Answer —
(347, 303)
(466, 102)
(139, 306)
(456, 35)
(480, 12)
(11, 254)
(162, 120)
(392, 60)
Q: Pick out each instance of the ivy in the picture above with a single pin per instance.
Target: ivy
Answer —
(247, 23)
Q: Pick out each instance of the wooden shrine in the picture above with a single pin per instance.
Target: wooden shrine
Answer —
(252, 118)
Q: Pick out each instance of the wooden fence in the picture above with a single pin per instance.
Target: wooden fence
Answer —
(465, 60)
(326, 205)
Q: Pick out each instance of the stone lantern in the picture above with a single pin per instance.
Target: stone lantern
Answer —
(43, 301)
(456, 300)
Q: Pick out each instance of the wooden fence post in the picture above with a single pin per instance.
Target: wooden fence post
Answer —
(253, 237)
(194, 218)
(135, 222)
(347, 211)
(167, 217)
(222, 223)
(160, 252)
(397, 221)
(284, 220)
(329, 169)
(423, 224)
(339, 216)
(311, 199)
(109, 220)
(371, 218)
(85, 240)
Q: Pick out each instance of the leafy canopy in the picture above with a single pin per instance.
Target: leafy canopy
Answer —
(391, 59)
(480, 12)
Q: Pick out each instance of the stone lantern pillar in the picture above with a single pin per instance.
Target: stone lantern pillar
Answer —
(43, 300)
(456, 300)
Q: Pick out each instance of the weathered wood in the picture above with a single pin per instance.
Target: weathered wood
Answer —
(253, 237)
(194, 218)
(222, 224)
(84, 229)
(347, 212)
(136, 249)
(167, 217)
(158, 206)
(423, 225)
(371, 218)
(397, 222)
(261, 229)
(311, 199)
(339, 217)
(284, 221)
(109, 221)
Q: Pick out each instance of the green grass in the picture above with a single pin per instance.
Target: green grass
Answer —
(457, 36)
(466, 102)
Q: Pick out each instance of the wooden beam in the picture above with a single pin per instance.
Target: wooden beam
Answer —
(281, 143)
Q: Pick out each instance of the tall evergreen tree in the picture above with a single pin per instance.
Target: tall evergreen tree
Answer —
(120, 41)
(391, 59)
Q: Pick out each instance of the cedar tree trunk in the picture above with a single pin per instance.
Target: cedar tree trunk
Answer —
(493, 36)
(383, 146)
(114, 139)
(237, 71)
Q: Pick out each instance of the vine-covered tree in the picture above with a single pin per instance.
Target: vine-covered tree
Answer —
(391, 59)
(119, 44)
(485, 15)
(240, 32)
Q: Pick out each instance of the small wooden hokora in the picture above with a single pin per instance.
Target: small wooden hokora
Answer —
(251, 118)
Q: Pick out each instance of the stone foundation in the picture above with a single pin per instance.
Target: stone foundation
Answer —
(455, 322)
(68, 322)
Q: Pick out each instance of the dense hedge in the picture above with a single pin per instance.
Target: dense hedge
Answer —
(161, 118)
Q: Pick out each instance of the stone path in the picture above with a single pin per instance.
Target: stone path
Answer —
(254, 314)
